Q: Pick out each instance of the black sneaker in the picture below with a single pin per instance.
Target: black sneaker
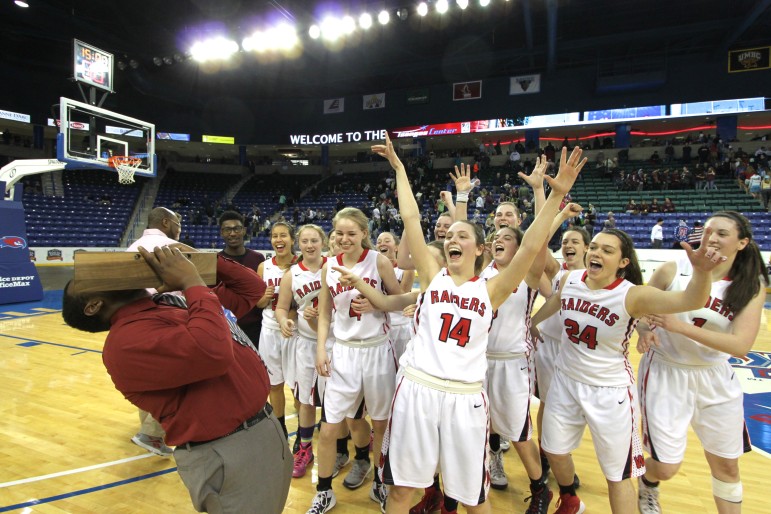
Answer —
(296, 447)
(539, 501)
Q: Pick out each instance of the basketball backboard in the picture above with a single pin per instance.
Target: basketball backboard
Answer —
(90, 135)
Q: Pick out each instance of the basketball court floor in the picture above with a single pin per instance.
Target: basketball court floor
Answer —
(66, 433)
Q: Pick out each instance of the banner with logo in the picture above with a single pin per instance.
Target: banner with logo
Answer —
(525, 84)
(418, 96)
(467, 90)
(15, 116)
(334, 105)
(374, 101)
(749, 59)
(19, 281)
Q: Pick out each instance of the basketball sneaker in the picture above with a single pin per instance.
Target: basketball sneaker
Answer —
(539, 500)
(340, 462)
(432, 501)
(302, 459)
(358, 473)
(568, 504)
(505, 445)
(379, 493)
(498, 478)
(322, 502)
(152, 444)
(648, 498)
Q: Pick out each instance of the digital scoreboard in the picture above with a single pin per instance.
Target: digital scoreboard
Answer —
(93, 66)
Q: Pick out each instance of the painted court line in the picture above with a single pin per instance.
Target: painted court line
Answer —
(80, 492)
(50, 343)
(76, 470)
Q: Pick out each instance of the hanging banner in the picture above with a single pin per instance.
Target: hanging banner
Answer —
(749, 59)
(467, 90)
(525, 84)
(374, 101)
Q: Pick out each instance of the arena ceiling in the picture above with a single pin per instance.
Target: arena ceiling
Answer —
(506, 38)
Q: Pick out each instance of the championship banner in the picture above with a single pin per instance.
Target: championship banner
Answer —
(374, 101)
(334, 105)
(467, 90)
(749, 59)
(418, 96)
(525, 84)
(19, 281)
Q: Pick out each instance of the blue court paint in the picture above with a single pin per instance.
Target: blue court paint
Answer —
(51, 300)
(81, 492)
(754, 373)
(29, 343)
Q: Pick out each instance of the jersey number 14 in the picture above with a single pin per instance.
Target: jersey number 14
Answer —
(460, 332)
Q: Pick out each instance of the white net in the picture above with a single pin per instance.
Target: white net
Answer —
(126, 169)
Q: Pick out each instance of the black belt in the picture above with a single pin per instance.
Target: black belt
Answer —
(262, 414)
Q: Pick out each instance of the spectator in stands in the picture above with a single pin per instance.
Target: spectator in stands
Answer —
(694, 237)
(514, 158)
(754, 184)
(657, 234)
(765, 191)
(655, 158)
(632, 207)
(700, 177)
(680, 234)
(710, 178)
(643, 205)
(686, 153)
(668, 205)
(610, 222)
(233, 231)
(655, 206)
(669, 153)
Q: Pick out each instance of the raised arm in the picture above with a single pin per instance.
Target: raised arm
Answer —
(642, 300)
(535, 181)
(403, 257)
(408, 207)
(463, 186)
(500, 286)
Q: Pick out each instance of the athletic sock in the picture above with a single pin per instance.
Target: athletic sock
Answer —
(536, 486)
(495, 442)
(377, 475)
(325, 483)
(342, 445)
(305, 434)
(649, 484)
(362, 453)
(564, 489)
(450, 504)
(282, 422)
(435, 485)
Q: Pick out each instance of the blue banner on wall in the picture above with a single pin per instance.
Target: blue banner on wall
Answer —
(19, 281)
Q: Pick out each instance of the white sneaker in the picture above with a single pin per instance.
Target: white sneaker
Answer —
(379, 493)
(323, 502)
(358, 474)
(505, 445)
(152, 444)
(341, 461)
(498, 478)
(648, 498)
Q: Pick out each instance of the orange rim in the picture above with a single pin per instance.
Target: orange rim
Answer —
(117, 160)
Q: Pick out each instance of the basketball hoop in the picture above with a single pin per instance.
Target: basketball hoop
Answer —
(126, 166)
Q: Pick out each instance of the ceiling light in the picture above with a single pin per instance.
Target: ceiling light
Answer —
(365, 21)
(422, 8)
(21, 3)
(331, 29)
(134, 64)
(403, 14)
(442, 6)
(484, 3)
(218, 48)
(168, 60)
(314, 31)
(121, 65)
(383, 17)
(348, 25)
(462, 3)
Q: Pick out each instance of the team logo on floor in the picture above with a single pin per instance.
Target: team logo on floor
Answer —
(754, 371)
(15, 242)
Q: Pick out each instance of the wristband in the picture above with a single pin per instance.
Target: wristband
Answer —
(462, 196)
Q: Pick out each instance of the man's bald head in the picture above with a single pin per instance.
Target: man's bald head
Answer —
(165, 220)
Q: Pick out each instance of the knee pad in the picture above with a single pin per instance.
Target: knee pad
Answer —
(728, 492)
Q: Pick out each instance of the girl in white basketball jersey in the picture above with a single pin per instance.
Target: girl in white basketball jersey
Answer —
(594, 382)
(547, 336)
(361, 368)
(387, 243)
(302, 285)
(441, 391)
(278, 355)
(688, 372)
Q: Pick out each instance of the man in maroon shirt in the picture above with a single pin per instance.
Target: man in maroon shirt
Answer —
(197, 373)
(233, 231)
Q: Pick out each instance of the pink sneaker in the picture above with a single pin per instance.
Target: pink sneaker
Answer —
(302, 459)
